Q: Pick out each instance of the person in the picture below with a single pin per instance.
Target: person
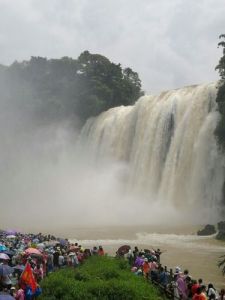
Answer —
(130, 257)
(61, 260)
(19, 294)
(38, 273)
(211, 292)
(145, 268)
(200, 294)
(56, 259)
(200, 281)
(101, 251)
(182, 287)
(94, 251)
(195, 286)
(135, 252)
(222, 294)
(163, 277)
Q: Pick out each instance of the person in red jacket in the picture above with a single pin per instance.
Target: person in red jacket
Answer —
(101, 251)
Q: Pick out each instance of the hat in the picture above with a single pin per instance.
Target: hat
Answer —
(177, 270)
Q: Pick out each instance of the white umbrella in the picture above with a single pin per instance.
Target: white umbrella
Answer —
(4, 256)
(11, 236)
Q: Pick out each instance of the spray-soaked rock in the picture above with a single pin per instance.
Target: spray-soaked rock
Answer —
(207, 230)
(221, 229)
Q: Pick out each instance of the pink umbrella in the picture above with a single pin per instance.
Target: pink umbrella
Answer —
(32, 251)
(4, 256)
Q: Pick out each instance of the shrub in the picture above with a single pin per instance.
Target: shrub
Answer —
(98, 278)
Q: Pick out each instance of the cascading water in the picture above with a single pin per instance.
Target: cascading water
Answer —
(168, 144)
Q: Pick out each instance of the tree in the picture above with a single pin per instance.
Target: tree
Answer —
(56, 89)
(107, 85)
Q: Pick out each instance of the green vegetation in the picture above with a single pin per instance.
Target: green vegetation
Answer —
(57, 89)
(98, 278)
(220, 130)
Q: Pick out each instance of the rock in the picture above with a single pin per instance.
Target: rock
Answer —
(221, 229)
(207, 230)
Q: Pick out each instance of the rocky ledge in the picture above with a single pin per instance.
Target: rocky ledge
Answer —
(207, 230)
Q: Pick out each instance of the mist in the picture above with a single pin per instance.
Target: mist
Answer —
(52, 179)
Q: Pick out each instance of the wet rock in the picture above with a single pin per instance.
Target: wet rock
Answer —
(207, 230)
(221, 229)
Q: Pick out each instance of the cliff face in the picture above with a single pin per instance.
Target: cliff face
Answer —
(221, 229)
(207, 230)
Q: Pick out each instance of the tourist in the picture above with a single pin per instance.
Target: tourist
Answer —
(163, 277)
(19, 294)
(195, 286)
(222, 295)
(61, 260)
(181, 285)
(211, 292)
(145, 268)
(100, 251)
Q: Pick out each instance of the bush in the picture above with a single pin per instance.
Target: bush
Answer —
(102, 278)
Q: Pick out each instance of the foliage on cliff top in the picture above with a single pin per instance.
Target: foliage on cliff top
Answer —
(61, 88)
(98, 278)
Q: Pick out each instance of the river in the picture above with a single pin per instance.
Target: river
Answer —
(180, 246)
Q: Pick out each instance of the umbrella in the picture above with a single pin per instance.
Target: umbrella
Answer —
(41, 246)
(139, 261)
(11, 236)
(123, 249)
(5, 270)
(11, 231)
(3, 248)
(36, 240)
(51, 243)
(63, 242)
(19, 267)
(9, 252)
(4, 256)
(32, 251)
(6, 297)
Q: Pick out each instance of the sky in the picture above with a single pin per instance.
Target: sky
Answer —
(170, 44)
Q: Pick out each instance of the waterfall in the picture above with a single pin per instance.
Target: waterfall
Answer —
(167, 143)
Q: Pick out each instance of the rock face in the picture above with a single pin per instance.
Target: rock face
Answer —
(207, 230)
(221, 229)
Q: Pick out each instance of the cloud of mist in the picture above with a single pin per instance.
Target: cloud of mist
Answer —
(48, 181)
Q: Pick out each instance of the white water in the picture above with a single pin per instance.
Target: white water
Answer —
(200, 255)
(168, 152)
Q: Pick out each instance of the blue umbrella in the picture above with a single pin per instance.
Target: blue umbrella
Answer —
(9, 252)
(6, 297)
(3, 248)
(19, 267)
(5, 270)
(63, 242)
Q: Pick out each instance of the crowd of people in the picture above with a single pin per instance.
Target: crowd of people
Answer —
(25, 259)
(177, 284)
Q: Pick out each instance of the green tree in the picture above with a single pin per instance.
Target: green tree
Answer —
(55, 89)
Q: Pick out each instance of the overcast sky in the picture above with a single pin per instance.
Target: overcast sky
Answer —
(170, 43)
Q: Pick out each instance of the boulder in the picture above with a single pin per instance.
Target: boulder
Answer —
(221, 229)
(207, 230)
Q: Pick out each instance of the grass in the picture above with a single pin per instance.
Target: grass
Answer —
(99, 278)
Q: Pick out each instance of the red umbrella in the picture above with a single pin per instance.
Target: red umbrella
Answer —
(33, 251)
(123, 249)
